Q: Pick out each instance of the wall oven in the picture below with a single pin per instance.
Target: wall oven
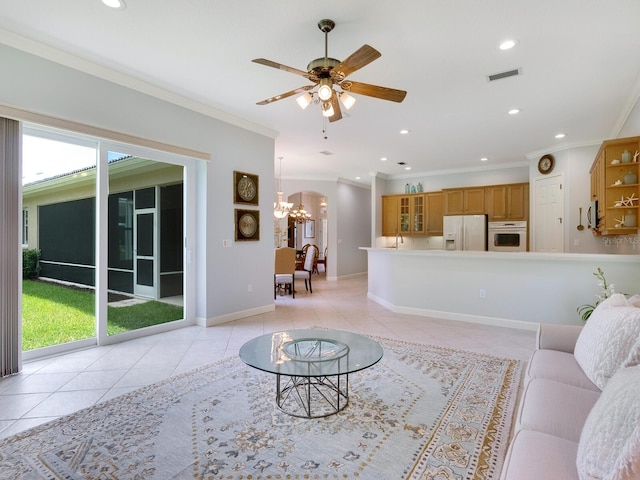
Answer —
(507, 236)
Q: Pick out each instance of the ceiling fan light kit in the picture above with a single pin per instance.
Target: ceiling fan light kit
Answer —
(328, 77)
(347, 100)
(304, 100)
(325, 91)
(327, 110)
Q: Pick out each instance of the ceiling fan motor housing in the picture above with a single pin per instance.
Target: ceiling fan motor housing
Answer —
(321, 67)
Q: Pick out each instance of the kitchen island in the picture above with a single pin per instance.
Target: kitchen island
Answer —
(515, 290)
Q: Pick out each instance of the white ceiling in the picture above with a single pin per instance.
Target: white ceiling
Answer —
(579, 63)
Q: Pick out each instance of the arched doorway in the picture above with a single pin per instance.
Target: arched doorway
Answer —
(313, 230)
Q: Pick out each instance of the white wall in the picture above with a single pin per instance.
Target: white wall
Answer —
(354, 228)
(223, 274)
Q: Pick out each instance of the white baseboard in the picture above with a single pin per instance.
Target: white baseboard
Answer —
(230, 317)
(460, 317)
(345, 277)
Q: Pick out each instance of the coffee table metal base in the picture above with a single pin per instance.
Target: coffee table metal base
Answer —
(312, 397)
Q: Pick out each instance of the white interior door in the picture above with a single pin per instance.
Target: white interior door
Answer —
(548, 221)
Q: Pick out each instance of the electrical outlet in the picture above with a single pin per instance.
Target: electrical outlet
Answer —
(483, 293)
(226, 243)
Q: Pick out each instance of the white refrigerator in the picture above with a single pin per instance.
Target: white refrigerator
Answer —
(465, 232)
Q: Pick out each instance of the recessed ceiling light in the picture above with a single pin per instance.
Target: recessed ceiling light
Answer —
(404, 132)
(407, 168)
(484, 159)
(514, 111)
(383, 159)
(119, 4)
(561, 135)
(357, 178)
(507, 45)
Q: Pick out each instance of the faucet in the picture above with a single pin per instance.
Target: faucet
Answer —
(401, 239)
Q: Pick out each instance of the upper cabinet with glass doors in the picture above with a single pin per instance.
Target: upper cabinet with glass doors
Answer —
(410, 214)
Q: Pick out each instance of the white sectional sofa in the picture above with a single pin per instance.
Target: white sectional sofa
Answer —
(579, 413)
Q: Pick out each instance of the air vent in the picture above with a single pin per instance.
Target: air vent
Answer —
(326, 152)
(499, 76)
(402, 163)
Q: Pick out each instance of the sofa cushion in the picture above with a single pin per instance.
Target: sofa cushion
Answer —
(559, 367)
(610, 441)
(555, 408)
(535, 456)
(610, 339)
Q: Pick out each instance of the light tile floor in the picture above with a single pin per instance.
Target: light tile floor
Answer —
(52, 387)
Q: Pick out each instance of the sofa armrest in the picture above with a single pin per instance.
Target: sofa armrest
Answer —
(553, 336)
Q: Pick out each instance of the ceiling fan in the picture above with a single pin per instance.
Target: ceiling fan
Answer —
(327, 73)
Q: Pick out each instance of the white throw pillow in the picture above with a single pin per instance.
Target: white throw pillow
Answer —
(610, 441)
(610, 339)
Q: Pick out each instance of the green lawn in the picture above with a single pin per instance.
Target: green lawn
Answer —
(54, 314)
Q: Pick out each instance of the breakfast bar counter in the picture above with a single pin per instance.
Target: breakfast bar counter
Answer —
(515, 290)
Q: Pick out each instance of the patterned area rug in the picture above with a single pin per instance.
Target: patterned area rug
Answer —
(423, 412)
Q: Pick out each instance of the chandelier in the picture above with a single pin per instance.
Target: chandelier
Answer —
(280, 207)
(299, 214)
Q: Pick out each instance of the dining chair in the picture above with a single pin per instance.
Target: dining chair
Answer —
(310, 259)
(285, 266)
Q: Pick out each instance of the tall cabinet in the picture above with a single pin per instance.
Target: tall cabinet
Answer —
(614, 184)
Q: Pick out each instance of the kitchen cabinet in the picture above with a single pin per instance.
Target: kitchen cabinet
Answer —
(614, 184)
(405, 214)
(390, 215)
(508, 202)
(464, 201)
(435, 206)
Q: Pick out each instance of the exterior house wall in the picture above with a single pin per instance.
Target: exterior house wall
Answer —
(58, 191)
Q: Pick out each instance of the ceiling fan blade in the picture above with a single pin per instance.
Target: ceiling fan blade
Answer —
(279, 66)
(358, 59)
(384, 93)
(285, 95)
(337, 113)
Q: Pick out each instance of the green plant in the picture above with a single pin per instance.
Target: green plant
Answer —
(586, 310)
(30, 263)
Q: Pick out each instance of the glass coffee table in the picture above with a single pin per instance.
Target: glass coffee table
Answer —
(312, 367)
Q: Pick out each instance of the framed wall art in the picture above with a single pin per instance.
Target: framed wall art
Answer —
(245, 188)
(310, 229)
(247, 224)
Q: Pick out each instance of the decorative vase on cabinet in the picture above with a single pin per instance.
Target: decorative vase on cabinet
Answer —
(630, 178)
(626, 156)
(630, 219)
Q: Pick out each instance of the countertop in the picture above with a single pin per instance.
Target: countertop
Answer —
(533, 256)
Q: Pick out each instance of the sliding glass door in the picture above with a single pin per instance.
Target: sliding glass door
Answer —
(111, 232)
(146, 247)
(58, 212)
